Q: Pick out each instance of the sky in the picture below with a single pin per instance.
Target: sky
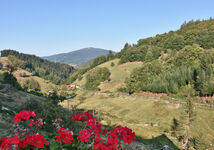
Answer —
(47, 27)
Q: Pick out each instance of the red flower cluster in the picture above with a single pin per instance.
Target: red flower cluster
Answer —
(114, 139)
(24, 114)
(124, 134)
(37, 122)
(36, 140)
(6, 143)
(64, 136)
(85, 135)
(94, 131)
(93, 134)
(83, 117)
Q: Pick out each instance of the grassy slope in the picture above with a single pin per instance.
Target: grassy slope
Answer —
(11, 99)
(150, 119)
(118, 75)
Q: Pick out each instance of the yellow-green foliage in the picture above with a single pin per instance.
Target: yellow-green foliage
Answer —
(15, 61)
(32, 84)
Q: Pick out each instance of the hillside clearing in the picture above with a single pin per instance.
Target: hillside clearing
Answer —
(118, 75)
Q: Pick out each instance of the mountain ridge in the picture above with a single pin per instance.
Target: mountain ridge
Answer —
(78, 56)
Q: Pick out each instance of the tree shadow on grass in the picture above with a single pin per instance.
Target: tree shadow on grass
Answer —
(156, 143)
(159, 142)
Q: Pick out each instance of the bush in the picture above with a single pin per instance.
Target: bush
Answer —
(94, 77)
(141, 77)
(8, 78)
(54, 97)
(32, 84)
(98, 60)
(112, 64)
(1, 66)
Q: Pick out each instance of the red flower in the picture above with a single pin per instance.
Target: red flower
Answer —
(125, 134)
(17, 118)
(84, 135)
(83, 117)
(60, 119)
(5, 143)
(22, 143)
(64, 136)
(24, 114)
(36, 140)
(104, 132)
(37, 122)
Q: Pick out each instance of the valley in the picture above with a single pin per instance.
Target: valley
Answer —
(162, 88)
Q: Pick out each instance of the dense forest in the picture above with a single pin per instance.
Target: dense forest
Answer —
(174, 62)
(55, 72)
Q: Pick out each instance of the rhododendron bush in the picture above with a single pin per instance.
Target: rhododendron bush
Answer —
(92, 136)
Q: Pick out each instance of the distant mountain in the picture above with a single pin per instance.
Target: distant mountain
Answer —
(77, 57)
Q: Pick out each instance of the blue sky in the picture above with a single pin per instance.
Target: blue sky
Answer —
(46, 27)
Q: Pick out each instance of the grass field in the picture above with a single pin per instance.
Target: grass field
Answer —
(118, 75)
(148, 118)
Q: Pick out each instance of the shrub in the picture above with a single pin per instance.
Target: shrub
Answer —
(1, 66)
(112, 64)
(8, 78)
(94, 77)
(32, 84)
(98, 60)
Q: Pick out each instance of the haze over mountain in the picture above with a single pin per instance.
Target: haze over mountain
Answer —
(77, 57)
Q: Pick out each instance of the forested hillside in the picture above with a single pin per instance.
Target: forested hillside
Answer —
(193, 32)
(174, 62)
(55, 72)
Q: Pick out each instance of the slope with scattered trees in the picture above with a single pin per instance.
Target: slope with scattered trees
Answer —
(56, 72)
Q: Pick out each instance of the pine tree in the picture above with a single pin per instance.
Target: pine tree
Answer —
(1, 66)
(174, 127)
(185, 125)
(110, 55)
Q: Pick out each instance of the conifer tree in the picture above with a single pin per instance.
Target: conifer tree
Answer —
(185, 124)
